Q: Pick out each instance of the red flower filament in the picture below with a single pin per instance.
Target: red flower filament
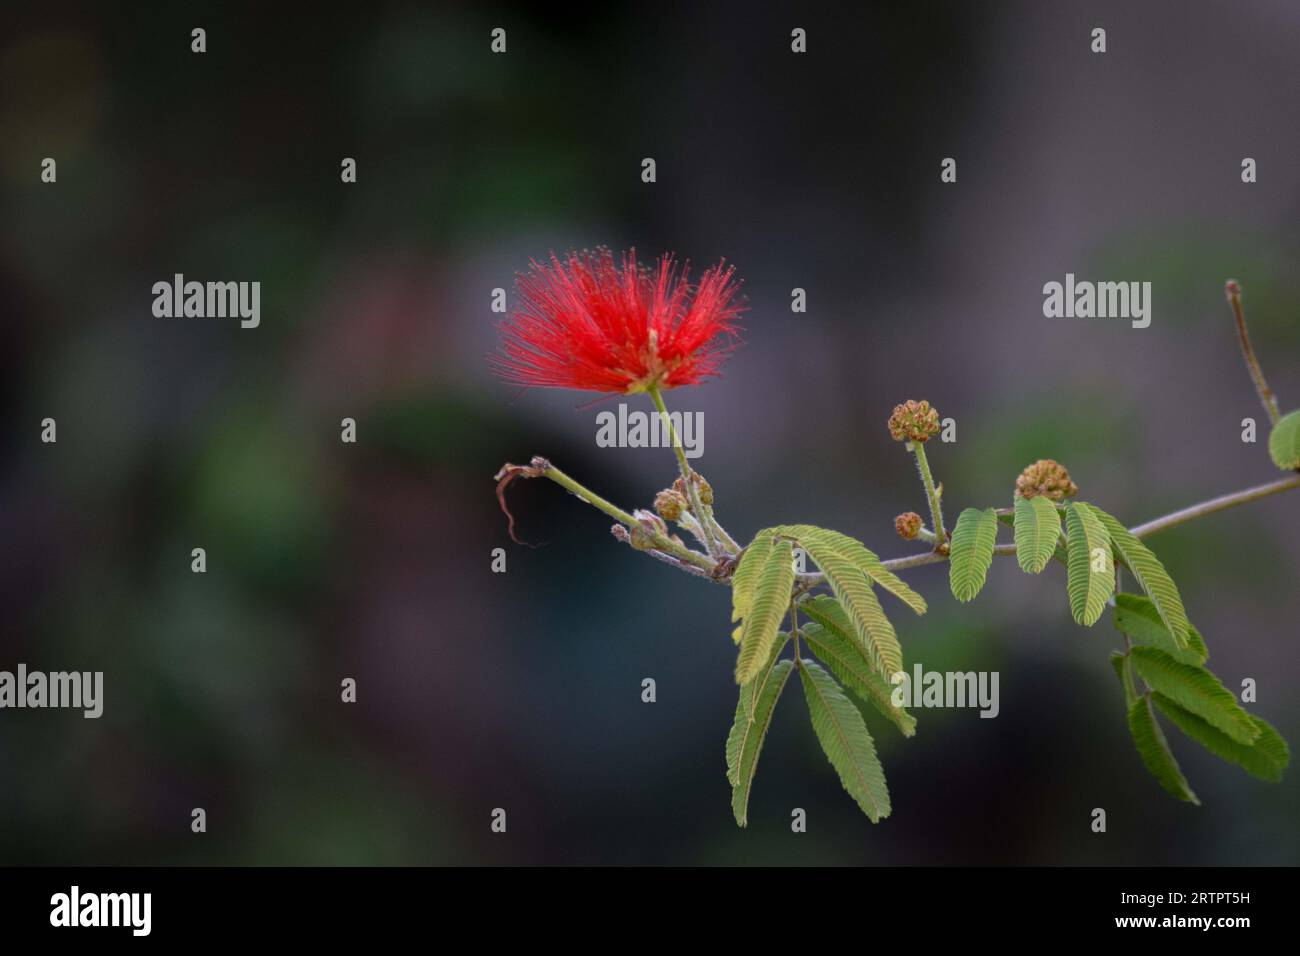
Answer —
(587, 323)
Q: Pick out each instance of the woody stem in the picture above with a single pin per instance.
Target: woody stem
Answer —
(660, 541)
(1214, 504)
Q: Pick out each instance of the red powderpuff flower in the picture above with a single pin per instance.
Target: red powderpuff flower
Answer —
(585, 322)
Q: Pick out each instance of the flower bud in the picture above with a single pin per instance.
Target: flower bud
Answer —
(1047, 478)
(641, 540)
(703, 487)
(913, 421)
(670, 504)
(908, 525)
(650, 521)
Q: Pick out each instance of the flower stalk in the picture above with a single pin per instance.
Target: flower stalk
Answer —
(932, 496)
(1266, 396)
(715, 539)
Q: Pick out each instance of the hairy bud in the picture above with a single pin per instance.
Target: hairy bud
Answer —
(651, 521)
(908, 525)
(913, 421)
(670, 504)
(703, 487)
(1047, 478)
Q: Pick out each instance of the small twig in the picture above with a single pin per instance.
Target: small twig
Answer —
(681, 565)
(1266, 396)
(1215, 504)
(673, 552)
(813, 578)
(539, 467)
(730, 543)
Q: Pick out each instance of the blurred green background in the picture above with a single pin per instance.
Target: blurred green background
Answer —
(372, 561)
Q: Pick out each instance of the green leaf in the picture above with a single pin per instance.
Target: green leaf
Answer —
(858, 554)
(853, 589)
(1151, 574)
(875, 569)
(771, 598)
(1058, 553)
(1119, 661)
(971, 552)
(830, 637)
(1038, 528)
(1089, 590)
(1137, 617)
(846, 741)
(752, 561)
(891, 582)
(747, 693)
(1154, 750)
(745, 701)
(749, 730)
(1284, 441)
(1195, 689)
(1266, 758)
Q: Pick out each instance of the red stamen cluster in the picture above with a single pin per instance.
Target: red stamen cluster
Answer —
(586, 322)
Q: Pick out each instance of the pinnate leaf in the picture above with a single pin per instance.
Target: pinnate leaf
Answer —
(860, 556)
(1194, 689)
(971, 551)
(749, 730)
(854, 591)
(845, 740)
(768, 604)
(1090, 570)
(1154, 750)
(1038, 528)
(752, 561)
(1266, 758)
(1150, 574)
(830, 637)
(1284, 442)
(1137, 617)
(1119, 661)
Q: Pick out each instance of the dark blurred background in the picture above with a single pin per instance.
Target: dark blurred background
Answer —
(522, 690)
